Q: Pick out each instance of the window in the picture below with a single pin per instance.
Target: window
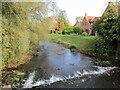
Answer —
(91, 23)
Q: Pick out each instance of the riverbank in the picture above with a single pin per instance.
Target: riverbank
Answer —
(12, 76)
(77, 43)
(52, 59)
(83, 44)
(56, 64)
(24, 58)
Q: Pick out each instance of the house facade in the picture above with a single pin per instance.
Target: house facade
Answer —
(87, 23)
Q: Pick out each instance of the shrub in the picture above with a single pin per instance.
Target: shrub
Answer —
(63, 32)
(66, 32)
(77, 30)
(72, 47)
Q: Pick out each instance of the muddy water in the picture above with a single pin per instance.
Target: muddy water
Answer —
(56, 66)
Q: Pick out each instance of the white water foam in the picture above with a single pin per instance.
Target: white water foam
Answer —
(52, 79)
(29, 81)
(56, 78)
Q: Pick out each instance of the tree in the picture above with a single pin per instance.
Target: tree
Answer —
(118, 31)
(79, 19)
(62, 17)
(23, 26)
(107, 28)
(62, 20)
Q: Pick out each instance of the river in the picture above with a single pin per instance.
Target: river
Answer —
(57, 67)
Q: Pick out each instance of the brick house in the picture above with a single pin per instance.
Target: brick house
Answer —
(87, 23)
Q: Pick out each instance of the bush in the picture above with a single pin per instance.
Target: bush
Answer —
(84, 34)
(63, 32)
(72, 47)
(68, 28)
(66, 32)
(77, 30)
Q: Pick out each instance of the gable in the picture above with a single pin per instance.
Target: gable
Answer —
(88, 21)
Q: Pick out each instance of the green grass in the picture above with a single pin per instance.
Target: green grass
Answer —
(82, 43)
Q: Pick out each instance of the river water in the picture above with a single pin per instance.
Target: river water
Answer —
(56, 66)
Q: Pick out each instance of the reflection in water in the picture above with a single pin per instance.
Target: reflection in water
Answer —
(55, 63)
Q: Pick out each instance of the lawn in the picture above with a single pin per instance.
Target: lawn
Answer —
(82, 43)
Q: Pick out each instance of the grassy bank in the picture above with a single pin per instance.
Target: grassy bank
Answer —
(83, 44)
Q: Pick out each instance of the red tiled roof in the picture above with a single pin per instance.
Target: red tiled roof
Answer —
(90, 18)
(93, 18)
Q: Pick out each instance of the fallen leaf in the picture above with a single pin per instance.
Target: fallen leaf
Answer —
(71, 64)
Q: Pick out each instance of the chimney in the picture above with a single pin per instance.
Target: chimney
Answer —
(109, 2)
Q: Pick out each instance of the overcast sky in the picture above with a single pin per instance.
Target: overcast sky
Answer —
(76, 8)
